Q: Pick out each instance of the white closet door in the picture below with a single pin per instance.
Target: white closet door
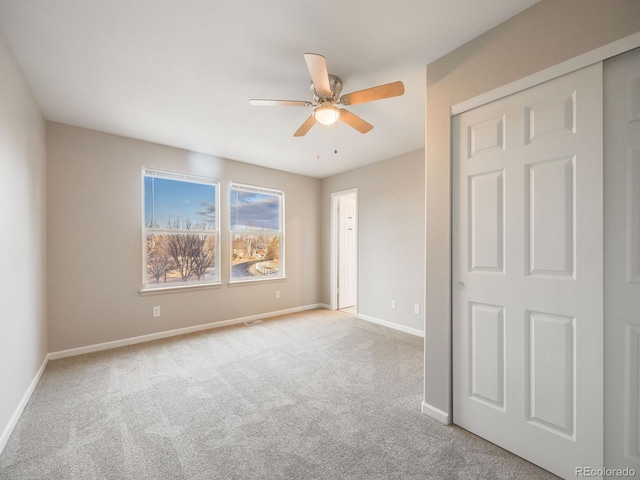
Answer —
(622, 261)
(528, 272)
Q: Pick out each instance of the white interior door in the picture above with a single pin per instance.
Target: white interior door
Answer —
(622, 260)
(347, 250)
(528, 272)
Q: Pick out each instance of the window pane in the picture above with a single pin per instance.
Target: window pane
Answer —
(180, 259)
(180, 230)
(255, 256)
(254, 211)
(179, 204)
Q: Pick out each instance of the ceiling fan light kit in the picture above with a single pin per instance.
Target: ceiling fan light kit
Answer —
(326, 91)
(326, 114)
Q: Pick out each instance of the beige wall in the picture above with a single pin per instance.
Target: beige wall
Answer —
(546, 34)
(23, 330)
(95, 241)
(390, 237)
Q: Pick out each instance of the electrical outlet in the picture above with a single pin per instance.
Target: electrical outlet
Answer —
(156, 311)
(277, 293)
(416, 308)
(393, 304)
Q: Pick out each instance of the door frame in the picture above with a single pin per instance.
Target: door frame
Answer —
(335, 232)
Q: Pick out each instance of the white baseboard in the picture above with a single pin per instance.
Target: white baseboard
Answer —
(172, 333)
(395, 326)
(436, 413)
(4, 438)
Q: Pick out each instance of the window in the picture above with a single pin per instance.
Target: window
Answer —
(256, 233)
(180, 230)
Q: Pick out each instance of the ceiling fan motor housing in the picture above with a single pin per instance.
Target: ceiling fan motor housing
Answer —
(335, 84)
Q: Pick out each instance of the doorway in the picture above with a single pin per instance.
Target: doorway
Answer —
(344, 250)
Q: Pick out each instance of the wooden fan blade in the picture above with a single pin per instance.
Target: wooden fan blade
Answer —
(305, 127)
(286, 103)
(354, 121)
(394, 89)
(317, 66)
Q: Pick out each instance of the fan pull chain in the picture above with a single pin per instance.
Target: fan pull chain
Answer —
(318, 139)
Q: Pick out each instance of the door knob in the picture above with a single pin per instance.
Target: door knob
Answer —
(461, 286)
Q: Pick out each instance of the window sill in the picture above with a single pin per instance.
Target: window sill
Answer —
(183, 288)
(238, 283)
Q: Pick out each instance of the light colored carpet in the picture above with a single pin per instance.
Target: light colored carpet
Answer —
(314, 395)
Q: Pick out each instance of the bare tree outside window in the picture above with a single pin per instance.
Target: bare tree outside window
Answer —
(204, 258)
(159, 262)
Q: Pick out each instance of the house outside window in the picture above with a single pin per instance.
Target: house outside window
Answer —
(181, 230)
(257, 233)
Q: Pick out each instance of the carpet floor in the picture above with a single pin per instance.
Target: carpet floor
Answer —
(312, 395)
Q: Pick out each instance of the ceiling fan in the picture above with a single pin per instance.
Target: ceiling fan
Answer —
(326, 90)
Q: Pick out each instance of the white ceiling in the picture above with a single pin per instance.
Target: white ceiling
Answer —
(181, 72)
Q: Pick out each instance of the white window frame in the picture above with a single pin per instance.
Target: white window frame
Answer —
(281, 233)
(176, 286)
